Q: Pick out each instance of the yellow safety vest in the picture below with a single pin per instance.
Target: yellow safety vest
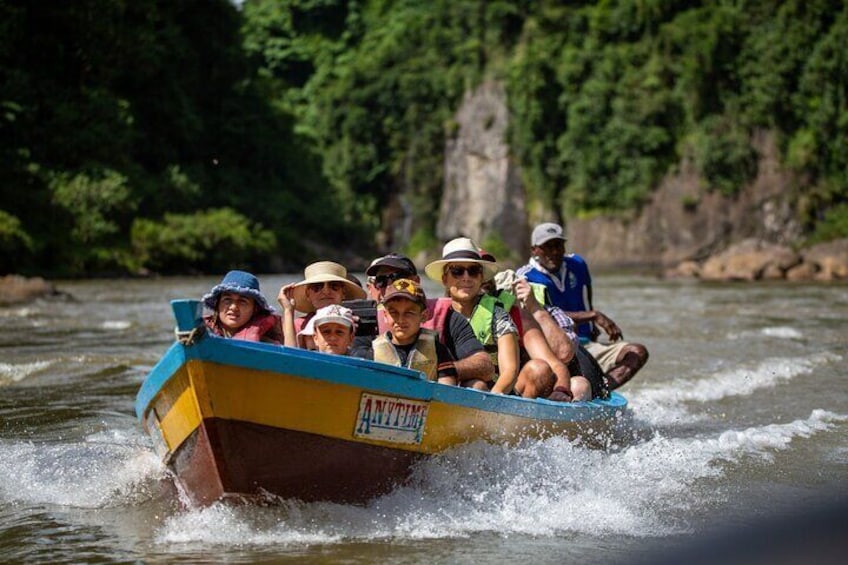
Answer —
(423, 358)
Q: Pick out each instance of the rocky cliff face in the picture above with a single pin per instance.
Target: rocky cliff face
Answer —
(685, 229)
(483, 194)
(685, 220)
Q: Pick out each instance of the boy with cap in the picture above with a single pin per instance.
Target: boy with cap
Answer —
(332, 328)
(406, 343)
(472, 361)
(569, 286)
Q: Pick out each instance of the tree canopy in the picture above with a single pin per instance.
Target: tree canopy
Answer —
(196, 136)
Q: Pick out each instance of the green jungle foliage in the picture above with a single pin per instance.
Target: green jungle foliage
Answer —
(201, 135)
(212, 240)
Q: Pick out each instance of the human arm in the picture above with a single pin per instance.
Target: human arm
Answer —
(596, 317)
(475, 366)
(286, 300)
(508, 363)
(472, 361)
(599, 319)
(446, 371)
(534, 315)
(537, 347)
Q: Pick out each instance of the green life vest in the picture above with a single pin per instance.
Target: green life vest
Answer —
(540, 292)
(507, 299)
(481, 322)
(422, 358)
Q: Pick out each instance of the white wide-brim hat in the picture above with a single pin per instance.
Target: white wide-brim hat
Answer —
(320, 272)
(460, 250)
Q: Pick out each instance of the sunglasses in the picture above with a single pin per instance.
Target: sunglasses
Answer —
(472, 270)
(382, 281)
(335, 286)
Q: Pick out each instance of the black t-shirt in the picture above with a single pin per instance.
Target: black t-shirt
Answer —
(460, 339)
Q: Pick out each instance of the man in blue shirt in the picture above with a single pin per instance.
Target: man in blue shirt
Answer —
(569, 286)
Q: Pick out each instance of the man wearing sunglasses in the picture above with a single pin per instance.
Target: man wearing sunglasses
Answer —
(457, 335)
(569, 286)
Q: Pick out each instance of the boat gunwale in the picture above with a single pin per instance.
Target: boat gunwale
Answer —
(392, 380)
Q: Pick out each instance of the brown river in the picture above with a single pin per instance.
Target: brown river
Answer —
(736, 440)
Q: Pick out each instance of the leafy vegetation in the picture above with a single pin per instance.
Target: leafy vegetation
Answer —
(212, 240)
(174, 136)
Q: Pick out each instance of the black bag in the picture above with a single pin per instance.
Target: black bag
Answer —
(366, 311)
(584, 364)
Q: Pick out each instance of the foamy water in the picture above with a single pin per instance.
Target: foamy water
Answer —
(740, 410)
(14, 372)
(778, 332)
(101, 471)
(546, 489)
(669, 402)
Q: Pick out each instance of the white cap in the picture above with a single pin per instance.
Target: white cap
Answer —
(332, 314)
(546, 232)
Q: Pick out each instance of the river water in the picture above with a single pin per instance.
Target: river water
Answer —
(740, 416)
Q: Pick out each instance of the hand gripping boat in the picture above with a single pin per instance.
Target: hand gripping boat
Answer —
(253, 421)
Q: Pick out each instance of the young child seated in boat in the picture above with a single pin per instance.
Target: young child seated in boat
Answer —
(407, 344)
(332, 329)
(324, 283)
(240, 311)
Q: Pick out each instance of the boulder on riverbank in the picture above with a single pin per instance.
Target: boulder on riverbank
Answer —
(15, 289)
(753, 259)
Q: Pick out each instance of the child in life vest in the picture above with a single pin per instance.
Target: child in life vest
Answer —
(239, 310)
(332, 328)
(407, 344)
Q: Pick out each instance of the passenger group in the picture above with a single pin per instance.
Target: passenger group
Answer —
(532, 332)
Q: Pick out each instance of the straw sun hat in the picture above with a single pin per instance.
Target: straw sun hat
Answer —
(460, 250)
(320, 272)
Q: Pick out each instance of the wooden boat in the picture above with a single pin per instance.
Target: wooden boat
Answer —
(246, 420)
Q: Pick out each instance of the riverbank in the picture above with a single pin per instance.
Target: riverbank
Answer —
(754, 259)
(17, 289)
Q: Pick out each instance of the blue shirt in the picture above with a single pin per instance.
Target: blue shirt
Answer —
(567, 288)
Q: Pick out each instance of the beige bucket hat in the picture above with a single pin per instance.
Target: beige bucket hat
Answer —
(321, 272)
(460, 250)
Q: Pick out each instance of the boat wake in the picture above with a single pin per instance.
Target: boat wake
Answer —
(16, 372)
(667, 403)
(540, 488)
(104, 470)
(778, 332)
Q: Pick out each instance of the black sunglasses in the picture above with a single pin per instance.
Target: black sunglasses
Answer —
(472, 270)
(382, 281)
(335, 286)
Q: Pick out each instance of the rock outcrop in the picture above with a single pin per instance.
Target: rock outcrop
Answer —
(686, 221)
(483, 194)
(15, 289)
(753, 259)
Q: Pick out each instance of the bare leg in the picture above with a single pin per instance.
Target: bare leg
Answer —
(536, 379)
(629, 361)
(581, 389)
(476, 384)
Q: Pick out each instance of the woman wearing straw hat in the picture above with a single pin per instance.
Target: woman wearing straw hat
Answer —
(240, 311)
(463, 271)
(324, 283)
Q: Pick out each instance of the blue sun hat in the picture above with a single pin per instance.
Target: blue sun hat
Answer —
(240, 282)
